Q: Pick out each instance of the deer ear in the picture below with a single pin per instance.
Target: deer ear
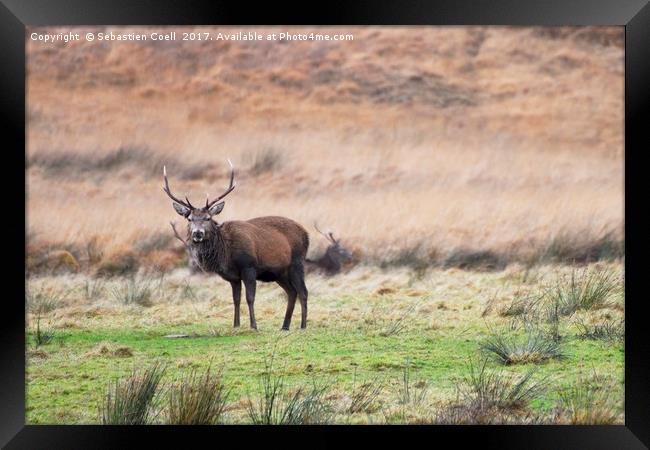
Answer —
(180, 209)
(216, 208)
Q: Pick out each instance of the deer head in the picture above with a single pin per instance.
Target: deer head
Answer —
(335, 250)
(200, 223)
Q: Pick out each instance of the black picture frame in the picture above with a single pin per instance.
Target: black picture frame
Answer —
(634, 15)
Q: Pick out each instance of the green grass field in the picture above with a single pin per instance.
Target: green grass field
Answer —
(366, 326)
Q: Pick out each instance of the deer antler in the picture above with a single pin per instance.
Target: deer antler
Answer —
(208, 204)
(178, 236)
(169, 192)
(329, 236)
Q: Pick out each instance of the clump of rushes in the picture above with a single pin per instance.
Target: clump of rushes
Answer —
(492, 396)
(496, 389)
(42, 336)
(532, 347)
(586, 404)
(313, 408)
(43, 300)
(39, 303)
(583, 290)
(132, 400)
(93, 289)
(363, 396)
(278, 406)
(411, 393)
(609, 330)
(521, 306)
(198, 399)
(134, 290)
(516, 308)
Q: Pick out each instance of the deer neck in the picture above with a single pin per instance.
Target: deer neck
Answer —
(212, 254)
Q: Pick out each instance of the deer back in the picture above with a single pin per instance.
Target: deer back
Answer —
(272, 242)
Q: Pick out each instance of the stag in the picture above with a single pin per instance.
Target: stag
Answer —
(268, 249)
(335, 256)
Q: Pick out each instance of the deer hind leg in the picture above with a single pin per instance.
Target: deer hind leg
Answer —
(291, 302)
(236, 299)
(248, 276)
(297, 279)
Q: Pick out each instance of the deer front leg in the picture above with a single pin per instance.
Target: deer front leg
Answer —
(236, 299)
(248, 276)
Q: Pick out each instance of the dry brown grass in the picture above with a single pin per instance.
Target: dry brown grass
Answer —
(490, 143)
(589, 402)
(447, 300)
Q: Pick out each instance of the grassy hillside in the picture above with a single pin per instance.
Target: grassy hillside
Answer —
(416, 141)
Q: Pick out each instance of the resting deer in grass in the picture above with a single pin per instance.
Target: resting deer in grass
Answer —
(335, 256)
(265, 249)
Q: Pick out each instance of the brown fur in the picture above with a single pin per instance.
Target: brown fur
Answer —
(260, 249)
(273, 241)
(269, 248)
